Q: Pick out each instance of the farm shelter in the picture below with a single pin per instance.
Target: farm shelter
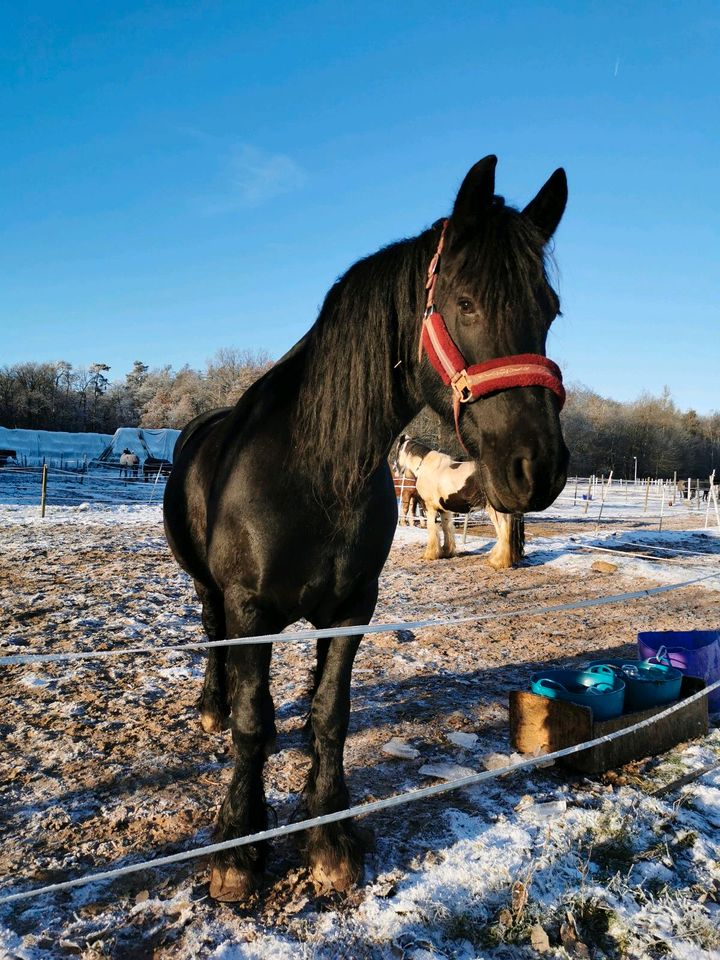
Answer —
(54, 447)
(106, 764)
(142, 442)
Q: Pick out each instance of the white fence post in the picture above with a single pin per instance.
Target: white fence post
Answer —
(602, 500)
(662, 504)
(707, 510)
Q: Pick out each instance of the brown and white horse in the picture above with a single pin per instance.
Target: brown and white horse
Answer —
(450, 486)
(411, 503)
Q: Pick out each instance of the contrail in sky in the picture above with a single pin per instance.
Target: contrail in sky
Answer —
(617, 67)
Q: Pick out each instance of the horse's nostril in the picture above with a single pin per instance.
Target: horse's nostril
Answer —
(519, 469)
(521, 473)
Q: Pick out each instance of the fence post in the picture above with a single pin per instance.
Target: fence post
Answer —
(43, 490)
(647, 494)
(589, 494)
(602, 501)
(465, 526)
(662, 504)
(713, 494)
(576, 489)
(157, 477)
(707, 510)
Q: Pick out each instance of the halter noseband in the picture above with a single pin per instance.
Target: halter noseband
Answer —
(468, 384)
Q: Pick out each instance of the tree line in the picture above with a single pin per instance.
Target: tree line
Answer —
(58, 396)
(602, 434)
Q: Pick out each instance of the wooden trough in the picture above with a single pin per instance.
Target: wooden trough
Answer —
(540, 724)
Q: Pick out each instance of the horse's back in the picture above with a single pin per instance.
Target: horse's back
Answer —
(185, 500)
(448, 484)
(197, 427)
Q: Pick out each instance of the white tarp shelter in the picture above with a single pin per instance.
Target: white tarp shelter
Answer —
(52, 446)
(145, 443)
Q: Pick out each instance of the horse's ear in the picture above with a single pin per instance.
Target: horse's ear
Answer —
(475, 193)
(546, 210)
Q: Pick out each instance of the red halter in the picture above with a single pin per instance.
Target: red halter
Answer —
(470, 383)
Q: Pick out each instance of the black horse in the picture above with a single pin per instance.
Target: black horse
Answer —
(283, 507)
(152, 466)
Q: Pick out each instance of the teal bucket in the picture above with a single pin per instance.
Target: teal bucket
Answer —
(646, 684)
(603, 693)
(694, 652)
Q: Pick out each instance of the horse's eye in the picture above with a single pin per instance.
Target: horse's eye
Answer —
(466, 306)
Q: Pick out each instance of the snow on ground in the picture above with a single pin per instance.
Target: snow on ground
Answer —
(104, 763)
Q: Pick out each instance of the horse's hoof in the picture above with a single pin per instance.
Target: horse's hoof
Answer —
(336, 876)
(213, 722)
(230, 885)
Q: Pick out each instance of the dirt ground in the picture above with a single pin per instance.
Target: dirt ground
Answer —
(105, 761)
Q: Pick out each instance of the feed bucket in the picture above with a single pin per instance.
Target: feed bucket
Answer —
(646, 684)
(694, 652)
(603, 693)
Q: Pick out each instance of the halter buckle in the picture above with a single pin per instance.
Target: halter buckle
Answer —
(461, 387)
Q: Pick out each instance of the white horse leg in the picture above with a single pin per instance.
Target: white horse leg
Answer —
(448, 527)
(432, 551)
(510, 546)
(500, 556)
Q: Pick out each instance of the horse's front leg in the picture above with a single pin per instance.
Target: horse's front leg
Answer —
(510, 546)
(448, 527)
(235, 873)
(433, 550)
(334, 852)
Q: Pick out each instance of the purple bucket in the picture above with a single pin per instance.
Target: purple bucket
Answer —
(695, 652)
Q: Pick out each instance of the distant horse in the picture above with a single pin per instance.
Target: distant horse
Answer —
(283, 507)
(153, 466)
(128, 464)
(411, 503)
(450, 486)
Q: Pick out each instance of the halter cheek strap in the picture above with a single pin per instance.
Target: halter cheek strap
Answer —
(481, 379)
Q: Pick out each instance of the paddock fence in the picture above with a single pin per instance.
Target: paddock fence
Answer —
(100, 484)
(375, 806)
(599, 500)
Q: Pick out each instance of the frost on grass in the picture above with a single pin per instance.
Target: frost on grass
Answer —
(104, 763)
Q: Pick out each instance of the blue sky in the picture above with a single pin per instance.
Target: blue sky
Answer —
(178, 177)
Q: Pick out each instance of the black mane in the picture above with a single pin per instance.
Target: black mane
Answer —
(360, 349)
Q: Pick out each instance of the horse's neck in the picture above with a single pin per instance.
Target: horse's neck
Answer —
(413, 465)
(355, 379)
(435, 461)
